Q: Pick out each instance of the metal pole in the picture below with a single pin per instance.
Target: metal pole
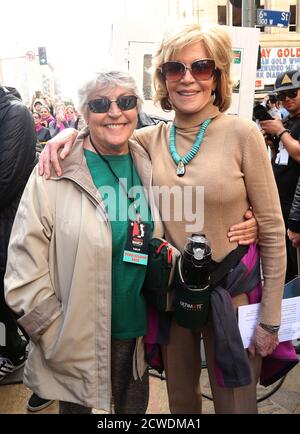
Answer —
(248, 13)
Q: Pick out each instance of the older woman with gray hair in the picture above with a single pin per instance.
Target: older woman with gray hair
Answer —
(72, 273)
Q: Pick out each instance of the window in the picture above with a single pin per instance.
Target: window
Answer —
(293, 24)
(237, 12)
(222, 15)
(236, 16)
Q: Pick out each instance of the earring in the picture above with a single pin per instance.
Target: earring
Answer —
(169, 102)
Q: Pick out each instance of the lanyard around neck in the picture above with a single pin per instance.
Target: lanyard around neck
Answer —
(129, 197)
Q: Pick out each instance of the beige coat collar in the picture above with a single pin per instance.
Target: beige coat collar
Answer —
(74, 167)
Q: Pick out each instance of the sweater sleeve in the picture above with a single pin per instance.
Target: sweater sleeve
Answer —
(263, 196)
(28, 286)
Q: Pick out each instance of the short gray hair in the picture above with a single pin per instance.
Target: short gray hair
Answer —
(105, 80)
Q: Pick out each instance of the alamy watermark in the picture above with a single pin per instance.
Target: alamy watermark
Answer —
(175, 203)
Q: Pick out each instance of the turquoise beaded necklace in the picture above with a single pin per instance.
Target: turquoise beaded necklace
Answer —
(182, 161)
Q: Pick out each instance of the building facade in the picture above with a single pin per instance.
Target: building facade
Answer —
(21, 69)
(280, 47)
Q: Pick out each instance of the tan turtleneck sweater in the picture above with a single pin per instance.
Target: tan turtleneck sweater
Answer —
(233, 167)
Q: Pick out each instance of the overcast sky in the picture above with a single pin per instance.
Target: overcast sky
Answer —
(76, 34)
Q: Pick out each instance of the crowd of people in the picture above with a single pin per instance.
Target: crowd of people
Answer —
(52, 117)
(69, 274)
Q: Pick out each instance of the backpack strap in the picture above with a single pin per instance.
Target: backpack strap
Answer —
(221, 269)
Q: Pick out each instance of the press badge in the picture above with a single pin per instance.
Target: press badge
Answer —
(136, 249)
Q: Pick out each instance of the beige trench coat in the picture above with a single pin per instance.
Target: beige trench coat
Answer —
(58, 279)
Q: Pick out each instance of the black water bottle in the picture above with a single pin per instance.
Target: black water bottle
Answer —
(196, 261)
(192, 288)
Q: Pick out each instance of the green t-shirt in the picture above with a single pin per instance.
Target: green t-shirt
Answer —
(128, 305)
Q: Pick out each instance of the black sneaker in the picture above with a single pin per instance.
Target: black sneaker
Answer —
(36, 403)
(7, 367)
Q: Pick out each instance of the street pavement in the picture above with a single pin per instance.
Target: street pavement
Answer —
(286, 400)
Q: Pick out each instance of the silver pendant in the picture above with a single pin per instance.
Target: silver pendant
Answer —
(180, 171)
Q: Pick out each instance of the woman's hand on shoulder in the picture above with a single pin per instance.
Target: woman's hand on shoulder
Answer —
(49, 155)
(246, 232)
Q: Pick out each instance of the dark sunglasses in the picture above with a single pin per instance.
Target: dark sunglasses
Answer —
(201, 70)
(287, 94)
(102, 105)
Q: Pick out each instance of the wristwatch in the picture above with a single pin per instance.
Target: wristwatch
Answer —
(270, 328)
(282, 132)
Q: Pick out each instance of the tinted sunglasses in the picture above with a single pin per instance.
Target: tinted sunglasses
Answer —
(287, 94)
(102, 105)
(201, 70)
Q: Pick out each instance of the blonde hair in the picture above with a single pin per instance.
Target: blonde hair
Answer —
(216, 42)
